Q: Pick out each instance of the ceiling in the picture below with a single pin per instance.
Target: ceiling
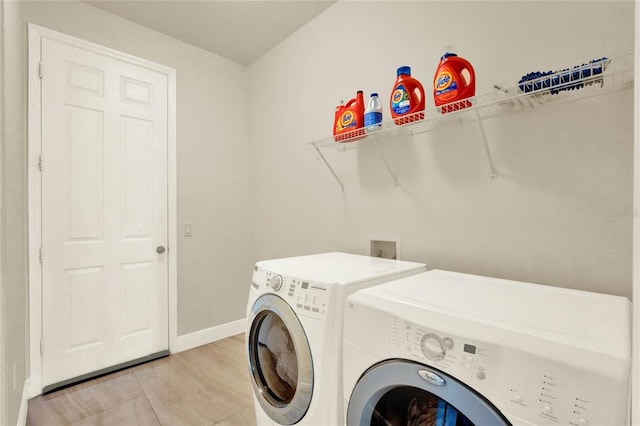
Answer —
(236, 29)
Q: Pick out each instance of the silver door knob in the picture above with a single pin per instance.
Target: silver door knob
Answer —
(160, 250)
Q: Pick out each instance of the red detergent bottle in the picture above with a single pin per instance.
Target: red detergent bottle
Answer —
(453, 82)
(407, 98)
(348, 121)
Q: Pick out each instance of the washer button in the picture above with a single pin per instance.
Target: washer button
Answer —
(583, 422)
(547, 409)
(447, 342)
(481, 375)
(517, 398)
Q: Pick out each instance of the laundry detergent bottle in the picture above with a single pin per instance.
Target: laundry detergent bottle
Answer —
(453, 82)
(348, 121)
(407, 98)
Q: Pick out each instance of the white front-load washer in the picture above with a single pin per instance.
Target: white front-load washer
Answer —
(444, 348)
(294, 332)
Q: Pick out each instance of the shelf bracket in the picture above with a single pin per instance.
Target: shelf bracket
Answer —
(329, 167)
(384, 160)
(494, 175)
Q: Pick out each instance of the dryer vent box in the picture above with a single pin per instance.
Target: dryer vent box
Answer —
(387, 249)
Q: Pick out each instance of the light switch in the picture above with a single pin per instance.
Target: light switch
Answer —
(188, 230)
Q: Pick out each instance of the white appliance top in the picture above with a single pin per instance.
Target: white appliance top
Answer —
(599, 320)
(338, 268)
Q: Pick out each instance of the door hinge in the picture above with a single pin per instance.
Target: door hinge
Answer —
(41, 254)
(42, 346)
(40, 163)
(41, 70)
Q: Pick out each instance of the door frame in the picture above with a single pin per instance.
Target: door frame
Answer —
(34, 144)
(634, 396)
(3, 400)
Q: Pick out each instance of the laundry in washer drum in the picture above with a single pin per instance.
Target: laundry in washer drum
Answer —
(277, 351)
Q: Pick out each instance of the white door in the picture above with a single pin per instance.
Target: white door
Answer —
(104, 211)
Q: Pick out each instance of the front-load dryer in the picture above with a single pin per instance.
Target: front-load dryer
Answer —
(294, 332)
(444, 348)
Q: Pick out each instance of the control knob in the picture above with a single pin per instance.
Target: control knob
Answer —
(276, 282)
(433, 346)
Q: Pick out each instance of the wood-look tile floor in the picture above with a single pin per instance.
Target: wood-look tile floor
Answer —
(208, 385)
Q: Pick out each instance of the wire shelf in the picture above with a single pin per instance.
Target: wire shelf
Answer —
(596, 78)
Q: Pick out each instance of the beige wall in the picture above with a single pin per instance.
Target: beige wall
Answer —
(14, 265)
(561, 168)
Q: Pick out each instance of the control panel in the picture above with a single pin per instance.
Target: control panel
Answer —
(526, 385)
(554, 392)
(469, 361)
(305, 297)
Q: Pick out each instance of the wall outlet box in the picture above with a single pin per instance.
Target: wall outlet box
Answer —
(385, 247)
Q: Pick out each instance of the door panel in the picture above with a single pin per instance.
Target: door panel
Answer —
(137, 179)
(86, 175)
(137, 288)
(85, 305)
(104, 211)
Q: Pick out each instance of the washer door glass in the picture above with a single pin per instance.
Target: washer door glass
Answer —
(399, 392)
(406, 405)
(276, 358)
(279, 360)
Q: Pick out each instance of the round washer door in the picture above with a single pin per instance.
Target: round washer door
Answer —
(399, 392)
(280, 360)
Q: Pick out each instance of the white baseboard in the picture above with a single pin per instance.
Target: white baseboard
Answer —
(207, 335)
(24, 404)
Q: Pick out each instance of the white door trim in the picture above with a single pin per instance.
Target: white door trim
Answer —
(635, 336)
(3, 401)
(36, 33)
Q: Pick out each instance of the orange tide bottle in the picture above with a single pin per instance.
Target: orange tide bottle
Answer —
(453, 83)
(407, 98)
(348, 120)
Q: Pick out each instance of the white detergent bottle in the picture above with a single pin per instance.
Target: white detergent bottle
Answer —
(373, 115)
